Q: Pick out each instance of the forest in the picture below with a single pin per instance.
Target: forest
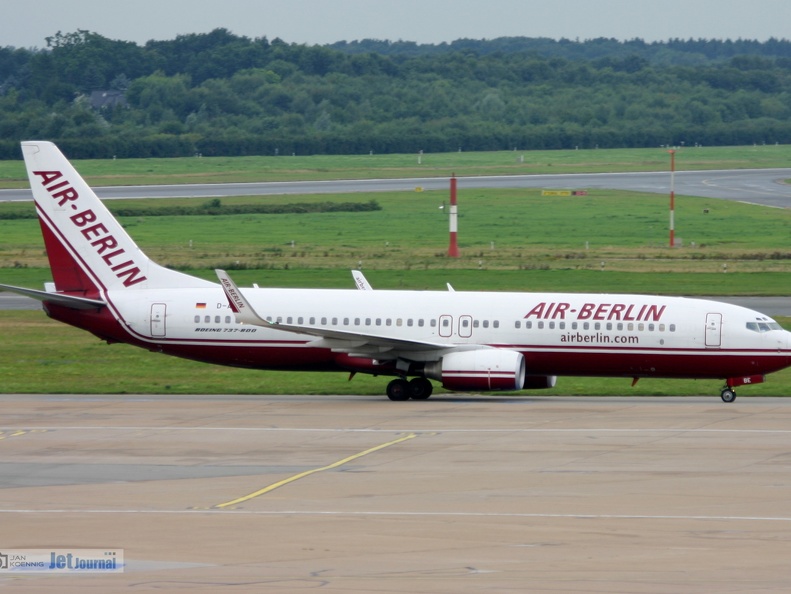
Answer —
(218, 93)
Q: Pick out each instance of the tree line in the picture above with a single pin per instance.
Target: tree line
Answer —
(222, 94)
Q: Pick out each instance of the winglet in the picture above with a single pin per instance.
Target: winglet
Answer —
(239, 305)
(361, 282)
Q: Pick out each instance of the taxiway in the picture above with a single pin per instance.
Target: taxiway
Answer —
(359, 494)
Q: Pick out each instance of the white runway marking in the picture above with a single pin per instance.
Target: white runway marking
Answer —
(405, 514)
(402, 430)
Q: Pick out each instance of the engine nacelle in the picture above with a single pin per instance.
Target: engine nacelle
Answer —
(539, 382)
(482, 369)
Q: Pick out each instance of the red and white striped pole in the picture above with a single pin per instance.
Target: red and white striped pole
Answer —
(672, 197)
(453, 250)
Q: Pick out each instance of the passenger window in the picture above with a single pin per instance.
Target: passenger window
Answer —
(517, 324)
(552, 325)
(586, 326)
(345, 321)
(672, 327)
(528, 325)
(323, 321)
(420, 322)
(486, 323)
(197, 319)
(207, 319)
(227, 319)
(496, 324)
(541, 325)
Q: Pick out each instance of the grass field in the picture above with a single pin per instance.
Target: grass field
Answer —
(729, 247)
(510, 240)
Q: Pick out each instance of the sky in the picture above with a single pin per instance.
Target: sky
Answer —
(423, 21)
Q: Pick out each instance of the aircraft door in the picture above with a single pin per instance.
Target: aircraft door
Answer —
(713, 330)
(158, 314)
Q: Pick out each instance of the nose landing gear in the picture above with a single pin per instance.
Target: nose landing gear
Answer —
(728, 394)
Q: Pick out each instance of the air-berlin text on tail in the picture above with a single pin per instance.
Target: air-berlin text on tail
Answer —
(95, 232)
(234, 299)
(619, 312)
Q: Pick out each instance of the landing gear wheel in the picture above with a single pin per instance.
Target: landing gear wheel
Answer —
(398, 389)
(728, 395)
(420, 388)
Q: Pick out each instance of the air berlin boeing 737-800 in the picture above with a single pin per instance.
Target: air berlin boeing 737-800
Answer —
(467, 341)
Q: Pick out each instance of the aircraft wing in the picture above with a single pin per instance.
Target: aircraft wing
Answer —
(57, 298)
(355, 343)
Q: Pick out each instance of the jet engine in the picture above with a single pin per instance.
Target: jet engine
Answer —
(539, 382)
(482, 369)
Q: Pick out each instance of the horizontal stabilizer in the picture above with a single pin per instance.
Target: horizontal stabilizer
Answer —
(56, 298)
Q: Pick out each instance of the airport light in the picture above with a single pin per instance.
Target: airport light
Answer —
(672, 197)
(453, 249)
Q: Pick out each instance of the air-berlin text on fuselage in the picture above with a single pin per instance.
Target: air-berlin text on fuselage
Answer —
(96, 233)
(619, 312)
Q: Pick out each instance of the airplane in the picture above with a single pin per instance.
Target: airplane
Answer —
(466, 341)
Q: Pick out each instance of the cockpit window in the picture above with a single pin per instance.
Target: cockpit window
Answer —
(763, 326)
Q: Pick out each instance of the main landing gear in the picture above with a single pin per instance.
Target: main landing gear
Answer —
(728, 394)
(417, 389)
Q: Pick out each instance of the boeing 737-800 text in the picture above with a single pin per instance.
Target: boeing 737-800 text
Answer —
(467, 341)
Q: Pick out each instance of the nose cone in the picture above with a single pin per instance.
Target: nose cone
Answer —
(785, 346)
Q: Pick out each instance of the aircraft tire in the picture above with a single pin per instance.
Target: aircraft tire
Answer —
(728, 395)
(398, 390)
(420, 388)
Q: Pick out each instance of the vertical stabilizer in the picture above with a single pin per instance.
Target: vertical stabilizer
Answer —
(88, 250)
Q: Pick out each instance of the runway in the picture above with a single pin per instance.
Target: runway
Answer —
(756, 186)
(360, 494)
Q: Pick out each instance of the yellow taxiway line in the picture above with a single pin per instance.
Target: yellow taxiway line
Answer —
(301, 475)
